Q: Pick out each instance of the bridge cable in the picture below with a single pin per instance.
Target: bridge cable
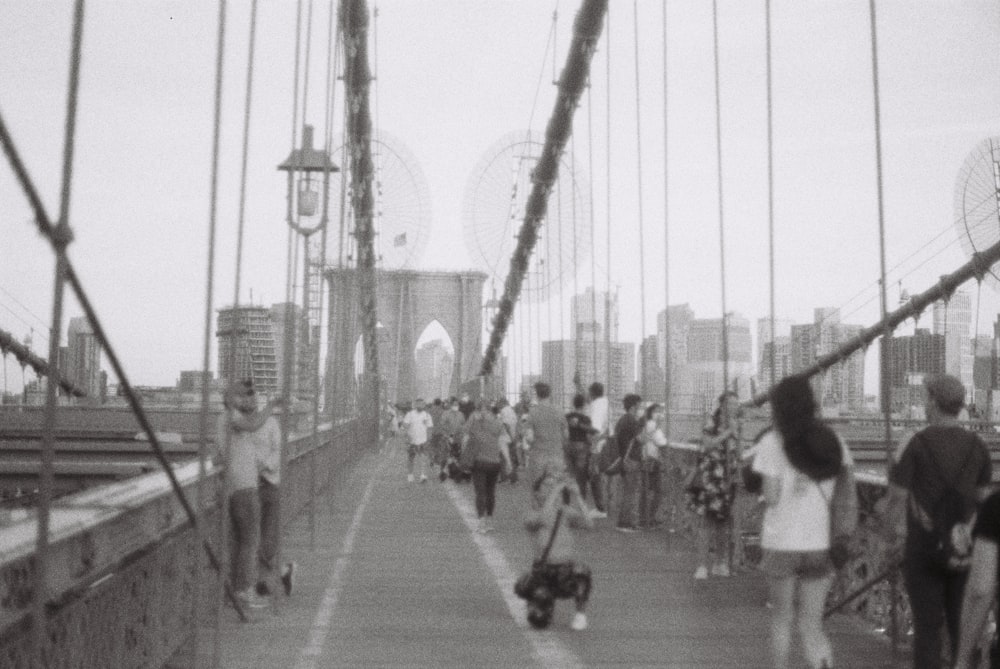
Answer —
(54, 235)
(587, 29)
(593, 254)
(213, 200)
(607, 204)
(576, 289)
(722, 223)
(772, 362)
(722, 269)
(40, 622)
(667, 358)
(638, 157)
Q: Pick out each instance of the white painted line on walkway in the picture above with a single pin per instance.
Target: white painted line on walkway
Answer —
(321, 624)
(548, 651)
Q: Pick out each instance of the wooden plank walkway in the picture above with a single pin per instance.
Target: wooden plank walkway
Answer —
(398, 579)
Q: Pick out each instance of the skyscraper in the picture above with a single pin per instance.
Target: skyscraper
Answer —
(251, 345)
(841, 387)
(83, 357)
(594, 315)
(953, 319)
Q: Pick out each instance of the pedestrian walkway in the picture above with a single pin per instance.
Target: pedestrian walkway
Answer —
(398, 578)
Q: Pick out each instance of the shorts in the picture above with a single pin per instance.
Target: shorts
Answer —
(416, 449)
(803, 564)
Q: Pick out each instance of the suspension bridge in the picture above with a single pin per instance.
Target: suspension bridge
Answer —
(113, 530)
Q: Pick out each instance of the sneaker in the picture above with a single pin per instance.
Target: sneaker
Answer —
(625, 528)
(579, 621)
(720, 569)
(409, 478)
(597, 513)
(487, 525)
(701, 573)
(288, 578)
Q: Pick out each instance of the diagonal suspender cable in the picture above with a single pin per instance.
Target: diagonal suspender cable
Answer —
(586, 31)
(638, 177)
(40, 596)
(213, 200)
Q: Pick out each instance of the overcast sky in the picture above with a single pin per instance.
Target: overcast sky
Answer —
(455, 78)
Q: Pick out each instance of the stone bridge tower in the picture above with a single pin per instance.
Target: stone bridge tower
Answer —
(408, 301)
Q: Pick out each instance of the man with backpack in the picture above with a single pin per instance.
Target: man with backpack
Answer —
(942, 475)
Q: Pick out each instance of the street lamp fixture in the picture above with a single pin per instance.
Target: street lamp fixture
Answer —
(305, 163)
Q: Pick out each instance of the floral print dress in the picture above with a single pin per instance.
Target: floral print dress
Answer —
(710, 492)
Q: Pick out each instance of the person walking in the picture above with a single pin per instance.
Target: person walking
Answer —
(600, 421)
(578, 446)
(711, 489)
(508, 418)
(486, 445)
(942, 467)
(545, 432)
(627, 430)
(416, 423)
(798, 461)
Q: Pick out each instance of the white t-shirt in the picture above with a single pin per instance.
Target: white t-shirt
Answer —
(653, 440)
(417, 423)
(598, 413)
(800, 521)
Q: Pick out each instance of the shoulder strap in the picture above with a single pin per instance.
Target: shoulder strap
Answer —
(552, 536)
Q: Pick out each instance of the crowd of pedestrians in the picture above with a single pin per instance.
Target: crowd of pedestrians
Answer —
(941, 523)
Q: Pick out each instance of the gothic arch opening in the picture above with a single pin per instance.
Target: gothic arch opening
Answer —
(434, 362)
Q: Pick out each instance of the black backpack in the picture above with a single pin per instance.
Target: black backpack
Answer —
(950, 520)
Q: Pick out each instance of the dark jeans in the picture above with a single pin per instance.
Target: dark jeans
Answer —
(269, 532)
(652, 493)
(578, 463)
(244, 537)
(935, 598)
(484, 482)
(631, 480)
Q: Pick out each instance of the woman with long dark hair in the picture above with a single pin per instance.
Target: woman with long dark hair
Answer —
(799, 461)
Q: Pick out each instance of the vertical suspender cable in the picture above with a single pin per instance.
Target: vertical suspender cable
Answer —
(40, 623)
(207, 333)
(607, 205)
(772, 363)
(593, 242)
(722, 227)
(886, 354)
(638, 176)
(243, 187)
(667, 358)
(576, 289)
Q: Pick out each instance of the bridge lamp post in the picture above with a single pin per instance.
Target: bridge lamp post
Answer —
(303, 167)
